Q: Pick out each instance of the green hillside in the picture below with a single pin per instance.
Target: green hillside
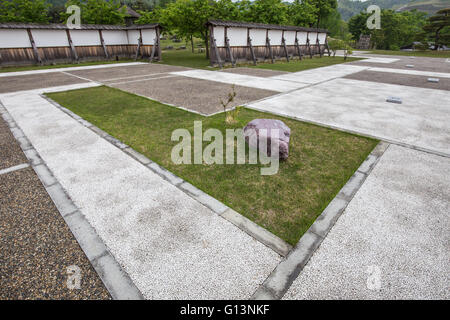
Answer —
(349, 8)
(428, 6)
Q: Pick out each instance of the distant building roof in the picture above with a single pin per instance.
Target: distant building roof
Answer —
(131, 12)
(253, 25)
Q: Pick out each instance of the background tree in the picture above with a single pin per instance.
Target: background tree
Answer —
(269, 11)
(225, 10)
(302, 13)
(438, 27)
(397, 28)
(24, 11)
(98, 11)
(323, 9)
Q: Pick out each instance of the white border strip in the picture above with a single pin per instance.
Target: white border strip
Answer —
(51, 70)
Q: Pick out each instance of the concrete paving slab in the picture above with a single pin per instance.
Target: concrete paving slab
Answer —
(420, 63)
(360, 106)
(37, 247)
(257, 72)
(401, 79)
(53, 70)
(412, 72)
(171, 246)
(125, 72)
(272, 84)
(35, 81)
(198, 95)
(392, 240)
(317, 75)
(50, 89)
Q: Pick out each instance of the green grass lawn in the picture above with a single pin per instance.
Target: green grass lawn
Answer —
(65, 65)
(321, 160)
(198, 60)
(185, 58)
(430, 54)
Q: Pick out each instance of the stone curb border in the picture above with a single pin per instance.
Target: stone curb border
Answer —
(257, 232)
(282, 277)
(117, 282)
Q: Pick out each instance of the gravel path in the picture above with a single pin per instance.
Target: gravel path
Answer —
(392, 240)
(36, 245)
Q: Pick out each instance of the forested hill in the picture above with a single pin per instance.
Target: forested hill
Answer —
(348, 8)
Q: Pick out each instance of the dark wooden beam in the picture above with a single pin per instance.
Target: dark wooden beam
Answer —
(72, 47)
(268, 46)
(297, 46)
(230, 53)
(318, 45)
(33, 44)
(283, 42)
(158, 41)
(250, 46)
(103, 43)
(326, 45)
(308, 45)
(138, 50)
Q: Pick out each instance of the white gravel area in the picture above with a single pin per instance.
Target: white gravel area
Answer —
(422, 120)
(392, 241)
(171, 246)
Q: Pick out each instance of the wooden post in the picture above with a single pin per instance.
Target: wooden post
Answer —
(252, 52)
(297, 46)
(158, 48)
(326, 46)
(227, 43)
(268, 46)
(152, 55)
(138, 48)
(308, 45)
(318, 45)
(250, 46)
(216, 51)
(33, 44)
(103, 44)
(72, 47)
(283, 42)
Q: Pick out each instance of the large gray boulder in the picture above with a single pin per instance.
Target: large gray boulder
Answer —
(254, 128)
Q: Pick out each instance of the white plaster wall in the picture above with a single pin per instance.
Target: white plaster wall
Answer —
(219, 35)
(302, 36)
(14, 38)
(50, 38)
(258, 37)
(275, 37)
(312, 37)
(322, 37)
(85, 37)
(148, 36)
(115, 37)
(133, 36)
(289, 37)
(237, 36)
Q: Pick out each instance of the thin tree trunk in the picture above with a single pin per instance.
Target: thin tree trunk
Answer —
(192, 43)
(205, 37)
